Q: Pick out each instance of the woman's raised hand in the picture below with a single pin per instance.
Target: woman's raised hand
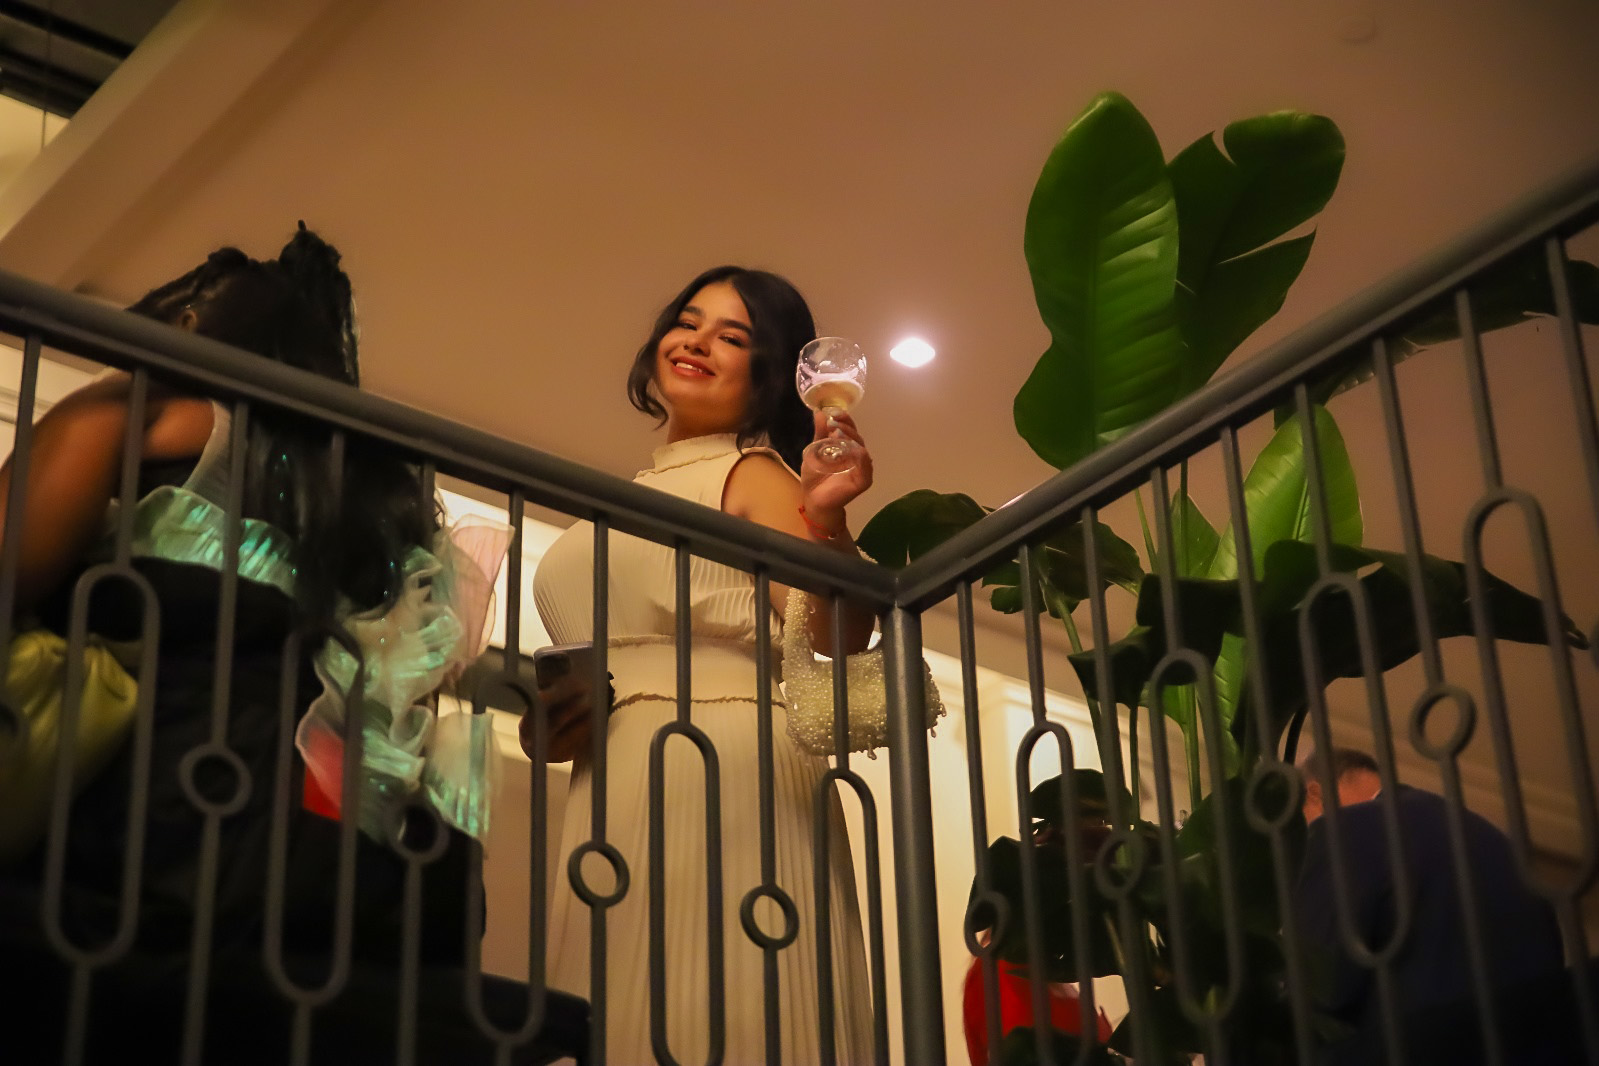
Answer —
(828, 492)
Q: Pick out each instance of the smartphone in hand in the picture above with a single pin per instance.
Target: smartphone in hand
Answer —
(562, 660)
(565, 677)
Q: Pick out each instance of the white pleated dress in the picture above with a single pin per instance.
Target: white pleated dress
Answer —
(642, 653)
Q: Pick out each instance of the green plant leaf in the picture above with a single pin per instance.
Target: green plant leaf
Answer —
(1260, 1025)
(1277, 500)
(1063, 564)
(1228, 677)
(1277, 495)
(1207, 608)
(1181, 704)
(1202, 603)
(915, 523)
(1101, 244)
(919, 521)
(1515, 292)
(1132, 659)
(1194, 538)
(1278, 171)
(1385, 578)
(1240, 296)
(1211, 611)
(1175, 1039)
(1252, 859)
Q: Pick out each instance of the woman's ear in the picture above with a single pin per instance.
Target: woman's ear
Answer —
(187, 320)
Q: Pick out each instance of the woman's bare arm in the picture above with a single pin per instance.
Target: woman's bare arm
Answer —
(763, 490)
(73, 468)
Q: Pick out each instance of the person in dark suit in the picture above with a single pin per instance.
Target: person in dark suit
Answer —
(1436, 1012)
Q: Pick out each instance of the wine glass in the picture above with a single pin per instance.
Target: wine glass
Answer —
(831, 377)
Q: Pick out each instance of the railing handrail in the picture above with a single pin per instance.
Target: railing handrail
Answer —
(76, 324)
(110, 335)
(1251, 389)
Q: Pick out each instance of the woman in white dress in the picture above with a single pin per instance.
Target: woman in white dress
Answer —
(718, 370)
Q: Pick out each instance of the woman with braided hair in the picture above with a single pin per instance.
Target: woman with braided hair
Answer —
(357, 547)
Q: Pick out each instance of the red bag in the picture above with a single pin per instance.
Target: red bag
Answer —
(1016, 1009)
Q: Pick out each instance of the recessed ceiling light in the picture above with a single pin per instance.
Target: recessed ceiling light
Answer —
(912, 352)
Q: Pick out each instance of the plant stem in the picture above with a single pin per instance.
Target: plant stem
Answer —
(1132, 764)
(1115, 943)
(1188, 700)
(1058, 603)
(1143, 520)
(1190, 693)
(1180, 549)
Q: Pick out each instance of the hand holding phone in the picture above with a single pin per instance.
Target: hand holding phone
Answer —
(564, 660)
(565, 677)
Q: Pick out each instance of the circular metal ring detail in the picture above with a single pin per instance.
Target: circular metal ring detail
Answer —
(997, 904)
(580, 887)
(397, 822)
(1257, 804)
(752, 929)
(1113, 882)
(1459, 737)
(232, 779)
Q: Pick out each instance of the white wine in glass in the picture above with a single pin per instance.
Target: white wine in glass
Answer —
(831, 377)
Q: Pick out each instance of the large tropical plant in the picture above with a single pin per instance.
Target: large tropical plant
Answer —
(1148, 274)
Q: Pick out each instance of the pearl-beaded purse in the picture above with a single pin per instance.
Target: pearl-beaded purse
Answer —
(808, 686)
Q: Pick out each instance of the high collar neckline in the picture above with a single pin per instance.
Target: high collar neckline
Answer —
(692, 450)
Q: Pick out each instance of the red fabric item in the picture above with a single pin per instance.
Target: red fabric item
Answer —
(313, 797)
(318, 802)
(1016, 1009)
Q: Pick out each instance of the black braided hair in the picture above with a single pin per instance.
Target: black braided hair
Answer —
(352, 527)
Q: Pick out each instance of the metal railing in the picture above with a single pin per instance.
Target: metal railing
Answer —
(1289, 375)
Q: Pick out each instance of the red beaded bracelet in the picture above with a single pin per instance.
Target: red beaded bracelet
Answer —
(817, 531)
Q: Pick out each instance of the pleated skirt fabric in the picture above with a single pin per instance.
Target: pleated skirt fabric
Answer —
(682, 1011)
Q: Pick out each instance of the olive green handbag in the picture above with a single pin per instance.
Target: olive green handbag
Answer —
(36, 677)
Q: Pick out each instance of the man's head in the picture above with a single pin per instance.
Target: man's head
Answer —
(1354, 771)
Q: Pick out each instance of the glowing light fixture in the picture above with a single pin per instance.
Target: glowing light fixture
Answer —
(912, 352)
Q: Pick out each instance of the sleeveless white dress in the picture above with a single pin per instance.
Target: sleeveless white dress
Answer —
(642, 624)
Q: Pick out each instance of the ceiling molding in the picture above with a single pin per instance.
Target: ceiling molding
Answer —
(138, 144)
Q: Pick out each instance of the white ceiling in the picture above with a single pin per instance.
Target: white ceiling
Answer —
(517, 188)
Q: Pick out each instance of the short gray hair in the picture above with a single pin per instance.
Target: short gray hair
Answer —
(1340, 760)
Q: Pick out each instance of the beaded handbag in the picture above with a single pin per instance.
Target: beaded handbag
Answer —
(808, 686)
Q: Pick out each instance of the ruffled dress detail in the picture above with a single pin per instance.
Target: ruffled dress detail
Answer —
(408, 651)
(436, 626)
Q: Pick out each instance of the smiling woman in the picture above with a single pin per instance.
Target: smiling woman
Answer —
(702, 364)
(737, 311)
(718, 371)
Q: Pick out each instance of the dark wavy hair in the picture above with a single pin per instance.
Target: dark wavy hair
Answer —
(352, 527)
(782, 325)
